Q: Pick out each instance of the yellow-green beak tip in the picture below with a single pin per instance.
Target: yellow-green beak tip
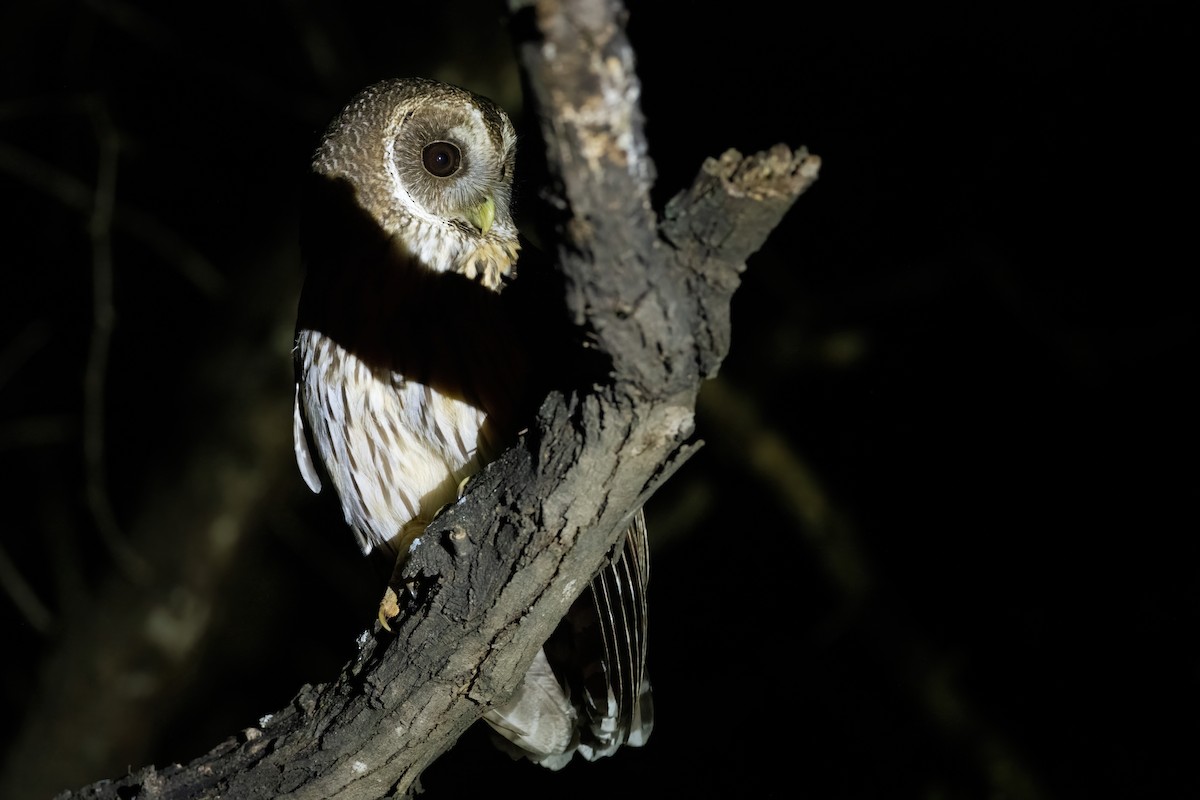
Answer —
(483, 215)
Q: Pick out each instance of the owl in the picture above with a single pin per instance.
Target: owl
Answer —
(414, 367)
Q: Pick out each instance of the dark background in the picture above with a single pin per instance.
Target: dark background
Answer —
(940, 542)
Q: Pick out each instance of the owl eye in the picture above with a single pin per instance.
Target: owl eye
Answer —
(441, 159)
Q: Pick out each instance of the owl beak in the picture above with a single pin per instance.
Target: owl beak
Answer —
(483, 215)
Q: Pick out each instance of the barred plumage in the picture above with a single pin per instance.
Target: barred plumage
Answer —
(411, 373)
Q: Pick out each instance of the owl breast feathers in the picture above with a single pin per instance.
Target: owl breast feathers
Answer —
(412, 371)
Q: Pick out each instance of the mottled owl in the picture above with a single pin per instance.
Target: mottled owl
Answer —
(412, 371)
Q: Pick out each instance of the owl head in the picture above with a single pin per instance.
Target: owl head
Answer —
(432, 164)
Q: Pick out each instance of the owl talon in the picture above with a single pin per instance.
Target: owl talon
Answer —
(389, 608)
(462, 486)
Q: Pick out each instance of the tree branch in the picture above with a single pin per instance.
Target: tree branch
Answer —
(495, 573)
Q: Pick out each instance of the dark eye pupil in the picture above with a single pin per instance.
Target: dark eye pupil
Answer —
(441, 159)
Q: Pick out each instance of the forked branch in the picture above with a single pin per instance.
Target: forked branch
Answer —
(496, 572)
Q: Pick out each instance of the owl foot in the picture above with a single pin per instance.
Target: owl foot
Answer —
(389, 608)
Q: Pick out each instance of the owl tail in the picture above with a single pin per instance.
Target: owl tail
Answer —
(587, 690)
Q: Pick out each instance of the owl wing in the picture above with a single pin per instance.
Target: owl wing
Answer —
(304, 460)
(617, 703)
(587, 690)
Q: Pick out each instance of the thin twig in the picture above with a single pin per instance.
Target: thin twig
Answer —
(103, 321)
(765, 452)
(24, 598)
(74, 194)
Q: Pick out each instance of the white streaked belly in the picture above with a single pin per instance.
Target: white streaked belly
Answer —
(395, 450)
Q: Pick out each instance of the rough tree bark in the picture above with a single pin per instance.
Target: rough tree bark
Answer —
(495, 573)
